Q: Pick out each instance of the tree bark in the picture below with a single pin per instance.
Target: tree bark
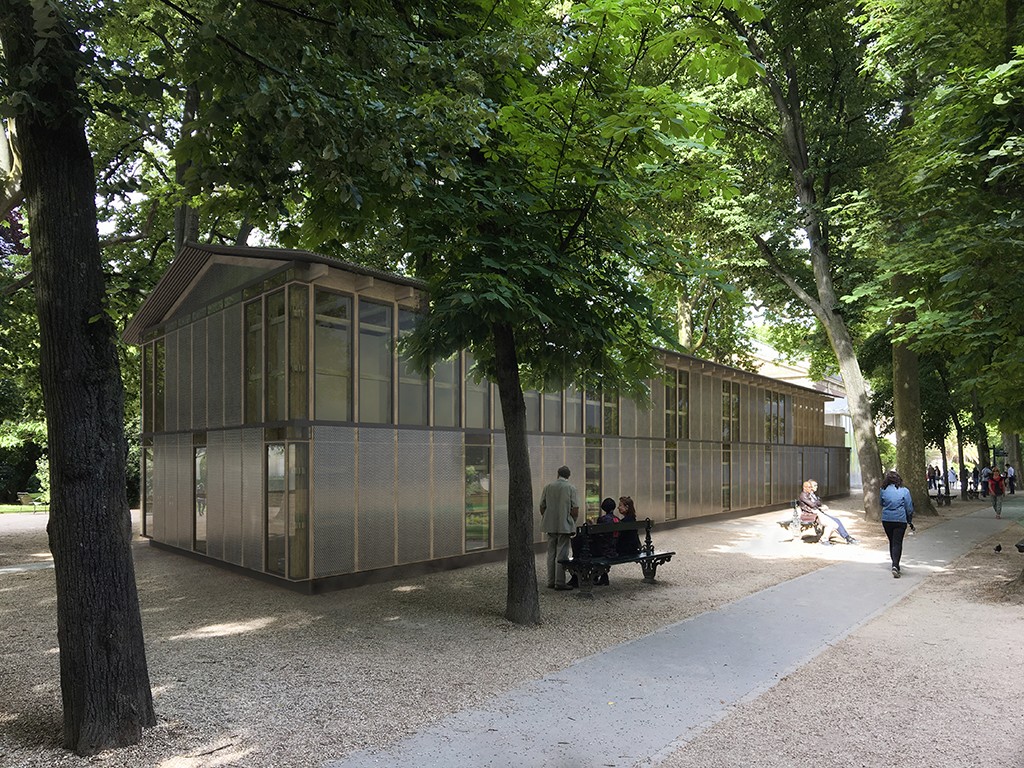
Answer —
(186, 219)
(978, 415)
(522, 603)
(906, 400)
(104, 678)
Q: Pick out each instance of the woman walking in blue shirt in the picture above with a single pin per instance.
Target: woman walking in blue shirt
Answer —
(897, 514)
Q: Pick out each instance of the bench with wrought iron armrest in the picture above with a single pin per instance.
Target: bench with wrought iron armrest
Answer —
(800, 527)
(587, 566)
(31, 499)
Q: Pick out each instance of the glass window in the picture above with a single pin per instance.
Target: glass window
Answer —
(332, 344)
(671, 421)
(573, 411)
(147, 491)
(683, 405)
(446, 392)
(726, 413)
(276, 361)
(298, 510)
(199, 499)
(159, 381)
(478, 492)
(147, 388)
(478, 399)
(726, 477)
(277, 511)
(768, 475)
(671, 480)
(611, 413)
(298, 352)
(592, 477)
(552, 411)
(592, 412)
(734, 412)
(412, 386)
(254, 362)
(374, 363)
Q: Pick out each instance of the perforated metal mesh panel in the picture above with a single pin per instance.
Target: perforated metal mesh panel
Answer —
(233, 365)
(627, 485)
(171, 383)
(574, 458)
(231, 447)
(184, 363)
(215, 371)
(644, 498)
(611, 481)
(334, 494)
(657, 418)
(413, 495)
(684, 505)
(163, 485)
(449, 493)
(627, 417)
(184, 500)
(375, 526)
(252, 498)
(199, 367)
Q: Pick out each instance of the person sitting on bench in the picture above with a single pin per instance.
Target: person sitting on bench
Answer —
(811, 506)
(628, 543)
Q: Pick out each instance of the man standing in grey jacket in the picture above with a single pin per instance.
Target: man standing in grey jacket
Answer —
(559, 508)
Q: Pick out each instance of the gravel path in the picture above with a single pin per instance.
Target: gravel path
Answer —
(247, 674)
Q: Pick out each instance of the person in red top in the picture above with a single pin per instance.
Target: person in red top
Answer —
(997, 487)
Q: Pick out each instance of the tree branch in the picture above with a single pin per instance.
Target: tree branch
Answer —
(773, 263)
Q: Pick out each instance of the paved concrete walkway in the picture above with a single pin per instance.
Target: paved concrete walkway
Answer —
(639, 702)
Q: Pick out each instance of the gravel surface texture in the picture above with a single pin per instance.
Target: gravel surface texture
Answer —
(247, 674)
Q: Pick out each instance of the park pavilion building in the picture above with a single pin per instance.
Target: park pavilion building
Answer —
(284, 435)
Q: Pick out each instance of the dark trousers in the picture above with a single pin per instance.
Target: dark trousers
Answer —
(895, 532)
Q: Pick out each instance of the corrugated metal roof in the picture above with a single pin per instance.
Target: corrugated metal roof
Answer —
(194, 258)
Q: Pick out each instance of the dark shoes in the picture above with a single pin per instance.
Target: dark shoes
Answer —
(564, 587)
(895, 572)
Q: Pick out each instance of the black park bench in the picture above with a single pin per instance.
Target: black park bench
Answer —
(587, 567)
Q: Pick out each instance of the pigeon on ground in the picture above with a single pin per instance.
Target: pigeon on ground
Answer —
(999, 548)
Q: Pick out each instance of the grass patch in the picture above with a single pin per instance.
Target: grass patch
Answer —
(5, 508)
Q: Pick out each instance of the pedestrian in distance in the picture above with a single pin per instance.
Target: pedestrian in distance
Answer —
(997, 487)
(559, 509)
(1011, 477)
(897, 514)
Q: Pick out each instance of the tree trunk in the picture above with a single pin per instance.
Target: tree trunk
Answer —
(522, 603)
(860, 413)
(104, 679)
(978, 415)
(906, 399)
(186, 219)
(964, 474)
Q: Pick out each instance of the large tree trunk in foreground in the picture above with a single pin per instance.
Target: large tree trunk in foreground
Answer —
(104, 680)
(522, 605)
(906, 400)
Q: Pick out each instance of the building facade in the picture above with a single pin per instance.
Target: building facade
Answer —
(282, 432)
